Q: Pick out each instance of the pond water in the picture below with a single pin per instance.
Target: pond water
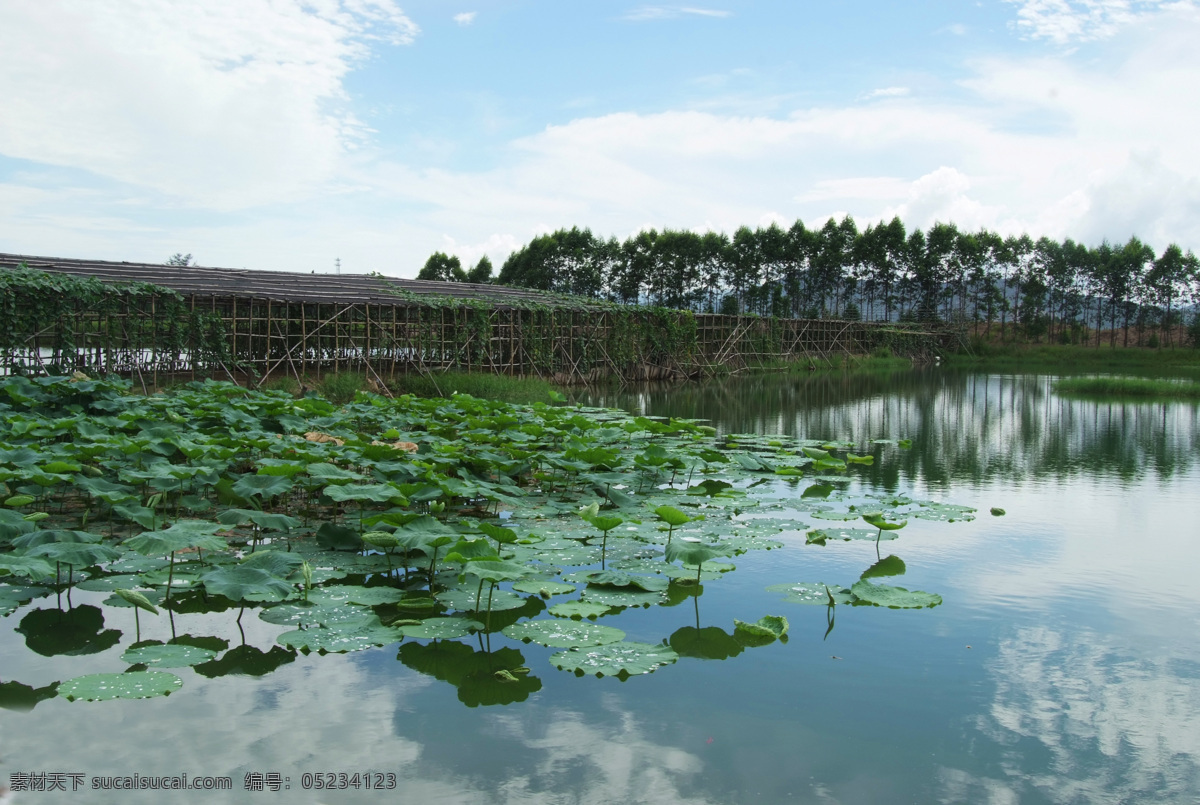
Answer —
(1063, 665)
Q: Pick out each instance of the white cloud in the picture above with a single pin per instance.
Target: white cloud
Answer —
(227, 104)
(1065, 21)
(466, 17)
(672, 12)
(889, 92)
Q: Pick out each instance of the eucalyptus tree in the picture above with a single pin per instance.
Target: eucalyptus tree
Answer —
(798, 249)
(631, 274)
(563, 262)
(745, 266)
(712, 267)
(1167, 282)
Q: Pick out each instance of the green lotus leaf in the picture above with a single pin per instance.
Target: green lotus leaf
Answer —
(170, 655)
(543, 588)
(442, 628)
(79, 554)
(579, 609)
(246, 584)
(262, 486)
(466, 550)
(944, 512)
(377, 493)
(463, 600)
(997, 511)
(281, 564)
(372, 596)
(328, 473)
(311, 613)
(500, 534)
(894, 597)
(770, 627)
(694, 554)
(813, 593)
(264, 520)
(333, 537)
(182, 535)
(29, 567)
(835, 515)
(559, 633)
(623, 659)
(853, 459)
(342, 637)
(815, 453)
(616, 578)
(672, 516)
(131, 685)
(497, 570)
(615, 597)
(876, 519)
(819, 536)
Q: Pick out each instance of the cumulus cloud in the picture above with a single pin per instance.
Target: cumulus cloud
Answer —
(227, 104)
(1066, 21)
(466, 17)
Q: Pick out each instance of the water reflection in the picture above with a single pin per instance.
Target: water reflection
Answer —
(964, 426)
(1083, 719)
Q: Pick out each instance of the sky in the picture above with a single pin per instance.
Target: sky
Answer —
(293, 134)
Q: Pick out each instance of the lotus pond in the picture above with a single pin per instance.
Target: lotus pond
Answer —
(928, 587)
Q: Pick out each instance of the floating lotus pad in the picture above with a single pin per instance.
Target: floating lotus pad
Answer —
(807, 592)
(442, 628)
(543, 588)
(463, 599)
(171, 655)
(131, 685)
(342, 637)
(623, 598)
(563, 634)
(313, 613)
(894, 597)
(621, 659)
(579, 609)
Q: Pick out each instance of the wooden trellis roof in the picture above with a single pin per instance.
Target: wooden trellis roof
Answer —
(287, 286)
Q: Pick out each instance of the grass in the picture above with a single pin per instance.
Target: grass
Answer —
(881, 360)
(484, 386)
(1129, 387)
(1053, 356)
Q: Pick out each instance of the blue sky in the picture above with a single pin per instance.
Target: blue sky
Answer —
(283, 134)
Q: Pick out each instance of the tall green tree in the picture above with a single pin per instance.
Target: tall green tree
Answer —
(443, 268)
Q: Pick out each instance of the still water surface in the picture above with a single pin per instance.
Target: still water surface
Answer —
(1062, 667)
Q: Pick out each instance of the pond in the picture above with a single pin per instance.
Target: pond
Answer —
(1061, 664)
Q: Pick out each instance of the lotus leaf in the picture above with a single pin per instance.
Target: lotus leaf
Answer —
(543, 588)
(769, 628)
(563, 634)
(131, 685)
(342, 637)
(246, 584)
(442, 628)
(464, 600)
(894, 597)
(579, 609)
(615, 597)
(623, 659)
(813, 593)
(171, 655)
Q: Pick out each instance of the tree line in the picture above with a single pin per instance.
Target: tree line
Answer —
(1061, 290)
